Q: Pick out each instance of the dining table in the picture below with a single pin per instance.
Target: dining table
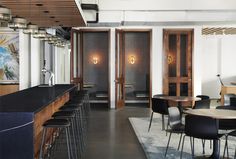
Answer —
(216, 114)
(179, 100)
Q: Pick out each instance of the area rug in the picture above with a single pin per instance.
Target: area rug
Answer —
(154, 142)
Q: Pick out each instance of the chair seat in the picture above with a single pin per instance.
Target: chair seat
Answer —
(233, 133)
(179, 128)
(63, 114)
(70, 108)
(55, 123)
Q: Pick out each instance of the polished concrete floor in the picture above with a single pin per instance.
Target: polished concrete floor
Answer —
(110, 135)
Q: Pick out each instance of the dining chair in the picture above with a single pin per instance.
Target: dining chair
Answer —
(175, 124)
(200, 127)
(159, 106)
(233, 134)
(232, 101)
(227, 98)
(204, 103)
(227, 125)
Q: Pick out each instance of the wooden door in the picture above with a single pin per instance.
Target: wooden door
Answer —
(120, 65)
(178, 62)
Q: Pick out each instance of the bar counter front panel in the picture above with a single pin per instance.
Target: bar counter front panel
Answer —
(22, 115)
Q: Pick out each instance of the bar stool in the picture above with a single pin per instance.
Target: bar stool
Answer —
(59, 124)
(70, 116)
(79, 123)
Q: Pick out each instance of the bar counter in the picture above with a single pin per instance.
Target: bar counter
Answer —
(22, 115)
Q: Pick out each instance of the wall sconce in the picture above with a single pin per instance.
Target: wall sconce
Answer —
(170, 59)
(95, 60)
(132, 59)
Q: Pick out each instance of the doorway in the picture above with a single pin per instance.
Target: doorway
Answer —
(133, 68)
(92, 64)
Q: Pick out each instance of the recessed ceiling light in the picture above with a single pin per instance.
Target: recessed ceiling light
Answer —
(39, 4)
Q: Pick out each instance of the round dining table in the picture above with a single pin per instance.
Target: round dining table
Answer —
(217, 114)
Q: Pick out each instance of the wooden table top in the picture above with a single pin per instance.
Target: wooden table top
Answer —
(214, 113)
(179, 98)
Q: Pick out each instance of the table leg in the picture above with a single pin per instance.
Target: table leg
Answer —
(216, 150)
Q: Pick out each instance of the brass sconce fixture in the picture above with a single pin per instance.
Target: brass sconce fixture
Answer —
(95, 60)
(170, 59)
(132, 59)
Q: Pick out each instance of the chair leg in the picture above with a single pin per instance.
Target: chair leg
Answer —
(168, 143)
(182, 147)
(192, 146)
(180, 140)
(41, 153)
(235, 153)
(163, 122)
(150, 123)
(203, 146)
(226, 145)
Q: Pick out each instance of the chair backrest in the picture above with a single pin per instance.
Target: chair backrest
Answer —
(227, 98)
(203, 97)
(201, 127)
(160, 106)
(202, 104)
(232, 101)
(174, 116)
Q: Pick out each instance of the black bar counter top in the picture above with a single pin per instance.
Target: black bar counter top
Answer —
(17, 118)
(33, 99)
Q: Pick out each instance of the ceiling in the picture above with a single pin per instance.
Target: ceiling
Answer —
(47, 13)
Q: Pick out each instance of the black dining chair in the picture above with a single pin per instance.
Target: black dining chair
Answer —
(200, 127)
(233, 134)
(204, 103)
(227, 125)
(227, 98)
(232, 101)
(159, 106)
(175, 124)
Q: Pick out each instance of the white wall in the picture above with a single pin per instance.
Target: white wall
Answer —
(218, 57)
(36, 51)
(62, 65)
(24, 58)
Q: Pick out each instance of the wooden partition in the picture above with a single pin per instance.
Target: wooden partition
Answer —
(8, 88)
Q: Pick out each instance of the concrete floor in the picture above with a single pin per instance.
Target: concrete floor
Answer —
(110, 135)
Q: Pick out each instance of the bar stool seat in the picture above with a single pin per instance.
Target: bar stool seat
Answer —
(55, 123)
(63, 114)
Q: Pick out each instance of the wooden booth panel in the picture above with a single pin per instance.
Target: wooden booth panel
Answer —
(7, 89)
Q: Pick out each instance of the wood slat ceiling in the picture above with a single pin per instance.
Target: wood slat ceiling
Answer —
(51, 13)
(219, 31)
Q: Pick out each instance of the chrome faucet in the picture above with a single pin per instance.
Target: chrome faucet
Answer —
(51, 81)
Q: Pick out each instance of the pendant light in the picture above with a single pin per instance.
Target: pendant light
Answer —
(18, 23)
(31, 29)
(40, 34)
(5, 14)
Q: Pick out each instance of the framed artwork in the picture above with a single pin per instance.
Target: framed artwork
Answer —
(9, 57)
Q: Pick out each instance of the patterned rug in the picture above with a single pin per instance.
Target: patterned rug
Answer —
(154, 142)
